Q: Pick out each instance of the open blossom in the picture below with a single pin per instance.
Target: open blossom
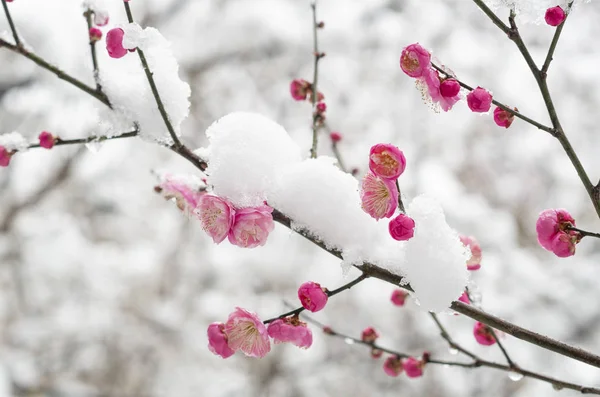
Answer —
(114, 43)
(434, 85)
(555, 16)
(483, 334)
(5, 156)
(413, 367)
(502, 118)
(386, 161)
(379, 196)
(479, 100)
(290, 329)
(47, 140)
(369, 335)
(216, 216)
(247, 333)
(553, 232)
(474, 262)
(393, 366)
(299, 89)
(415, 60)
(251, 226)
(399, 297)
(217, 340)
(186, 197)
(312, 296)
(402, 227)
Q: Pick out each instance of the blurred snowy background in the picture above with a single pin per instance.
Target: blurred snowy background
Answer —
(107, 290)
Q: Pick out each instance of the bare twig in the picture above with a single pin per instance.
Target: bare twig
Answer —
(550, 54)
(93, 138)
(88, 19)
(315, 91)
(13, 29)
(584, 233)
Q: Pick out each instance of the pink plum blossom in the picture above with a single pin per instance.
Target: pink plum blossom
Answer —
(376, 353)
(479, 100)
(114, 43)
(553, 232)
(299, 89)
(369, 335)
(216, 215)
(379, 197)
(5, 156)
(290, 329)
(386, 161)
(399, 297)
(186, 197)
(413, 367)
(217, 340)
(402, 227)
(321, 107)
(449, 88)
(392, 366)
(464, 298)
(502, 118)
(474, 262)
(483, 334)
(246, 332)
(555, 16)
(415, 60)
(95, 34)
(335, 137)
(312, 296)
(431, 80)
(251, 226)
(47, 140)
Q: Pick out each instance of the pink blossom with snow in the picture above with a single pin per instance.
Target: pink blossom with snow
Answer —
(474, 262)
(251, 226)
(216, 215)
(402, 227)
(379, 196)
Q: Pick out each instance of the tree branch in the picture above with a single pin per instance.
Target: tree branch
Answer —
(93, 138)
(553, 44)
(315, 91)
(88, 19)
(13, 29)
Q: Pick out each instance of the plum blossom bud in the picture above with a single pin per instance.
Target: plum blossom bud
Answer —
(413, 367)
(464, 298)
(479, 100)
(335, 137)
(369, 335)
(555, 16)
(101, 18)
(321, 107)
(290, 329)
(312, 296)
(216, 215)
(415, 60)
(251, 227)
(483, 334)
(246, 332)
(217, 340)
(554, 233)
(449, 88)
(402, 227)
(399, 297)
(392, 366)
(379, 197)
(95, 35)
(502, 118)
(47, 140)
(300, 89)
(386, 161)
(376, 353)
(5, 156)
(114, 43)
(474, 262)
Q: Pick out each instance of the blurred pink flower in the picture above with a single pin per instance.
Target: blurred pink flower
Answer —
(217, 340)
(392, 366)
(483, 334)
(553, 232)
(114, 43)
(47, 140)
(474, 262)
(299, 89)
(95, 34)
(399, 297)
(502, 118)
(335, 137)
(312, 296)
(415, 60)
(464, 298)
(321, 107)
(5, 156)
(402, 227)
(369, 335)
(479, 100)
(290, 329)
(216, 215)
(101, 18)
(379, 197)
(413, 367)
(251, 226)
(386, 161)
(555, 16)
(247, 333)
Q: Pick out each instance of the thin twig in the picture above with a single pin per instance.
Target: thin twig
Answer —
(88, 19)
(497, 21)
(553, 44)
(93, 138)
(314, 87)
(444, 334)
(338, 156)
(584, 233)
(400, 203)
(503, 349)
(13, 29)
(344, 287)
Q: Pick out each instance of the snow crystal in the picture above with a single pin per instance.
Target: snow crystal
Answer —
(246, 153)
(435, 257)
(13, 141)
(127, 87)
(529, 11)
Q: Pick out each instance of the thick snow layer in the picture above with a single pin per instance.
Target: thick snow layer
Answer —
(128, 89)
(13, 141)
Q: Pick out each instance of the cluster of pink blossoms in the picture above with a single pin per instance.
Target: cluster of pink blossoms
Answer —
(379, 190)
(554, 232)
(46, 140)
(415, 61)
(412, 367)
(245, 332)
(301, 90)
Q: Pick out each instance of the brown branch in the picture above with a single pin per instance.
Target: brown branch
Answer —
(315, 91)
(344, 287)
(93, 138)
